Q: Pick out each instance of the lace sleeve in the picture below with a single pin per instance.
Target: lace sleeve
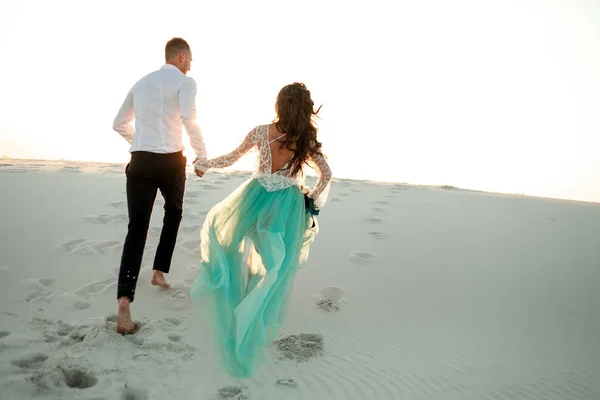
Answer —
(321, 190)
(229, 159)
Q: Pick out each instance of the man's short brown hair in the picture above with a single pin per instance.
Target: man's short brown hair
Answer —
(174, 47)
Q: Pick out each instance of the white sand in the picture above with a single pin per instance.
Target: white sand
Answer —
(433, 294)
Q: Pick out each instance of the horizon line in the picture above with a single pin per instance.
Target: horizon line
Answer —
(432, 186)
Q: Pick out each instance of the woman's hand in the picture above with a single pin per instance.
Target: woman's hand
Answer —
(196, 170)
(304, 189)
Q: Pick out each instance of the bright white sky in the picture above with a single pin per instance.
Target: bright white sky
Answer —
(499, 95)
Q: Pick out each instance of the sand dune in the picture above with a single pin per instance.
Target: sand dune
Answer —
(409, 293)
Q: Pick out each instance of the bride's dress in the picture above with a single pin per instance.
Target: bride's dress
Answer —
(251, 246)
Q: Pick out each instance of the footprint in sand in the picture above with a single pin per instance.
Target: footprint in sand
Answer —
(39, 297)
(90, 247)
(335, 199)
(60, 376)
(43, 289)
(301, 347)
(330, 298)
(81, 305)
(118, 204)
(107, 219)
(173, 321)
(31, 361)
(4, 334)
(356, 190)
(47, 282)
(333, 293)
(378, 235)
(233, 393)
(96, 288)
(79, 333)
(102, 247)
(58, 331)
(180, 295)
(373, 220)
(379, 210)
(39, 284)
(72, 245)
(362, 257)
(64, 329)
(290, 383)
(74, 301)
(174, 338)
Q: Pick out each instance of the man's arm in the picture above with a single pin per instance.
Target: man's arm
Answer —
(122, 123)
(187, 110)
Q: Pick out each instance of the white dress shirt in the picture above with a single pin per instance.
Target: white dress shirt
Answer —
(162, 103)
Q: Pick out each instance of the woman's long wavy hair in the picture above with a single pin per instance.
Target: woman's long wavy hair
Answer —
(295, 117)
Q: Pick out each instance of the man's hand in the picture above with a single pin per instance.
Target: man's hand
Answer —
(197, 171)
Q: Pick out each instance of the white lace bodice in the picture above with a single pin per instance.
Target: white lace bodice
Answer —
(259, 138)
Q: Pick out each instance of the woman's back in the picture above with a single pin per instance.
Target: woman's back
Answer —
(280, 156)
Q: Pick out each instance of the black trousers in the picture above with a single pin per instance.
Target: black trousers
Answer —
(146, 174)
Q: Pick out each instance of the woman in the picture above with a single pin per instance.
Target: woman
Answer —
(253, 242)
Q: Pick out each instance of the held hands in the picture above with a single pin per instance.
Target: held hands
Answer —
(197, 171)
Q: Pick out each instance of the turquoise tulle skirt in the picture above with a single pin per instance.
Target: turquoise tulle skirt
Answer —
(252, 244)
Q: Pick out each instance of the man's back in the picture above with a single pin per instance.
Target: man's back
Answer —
(156, 105)
(161, 102)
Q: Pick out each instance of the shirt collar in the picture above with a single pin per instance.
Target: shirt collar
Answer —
(170, 66)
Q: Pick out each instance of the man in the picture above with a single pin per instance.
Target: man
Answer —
(161, 103)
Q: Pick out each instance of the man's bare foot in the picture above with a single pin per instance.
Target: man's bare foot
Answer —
(124, 322)
(158, 279)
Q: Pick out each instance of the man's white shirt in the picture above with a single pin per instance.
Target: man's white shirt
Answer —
(162, 103)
